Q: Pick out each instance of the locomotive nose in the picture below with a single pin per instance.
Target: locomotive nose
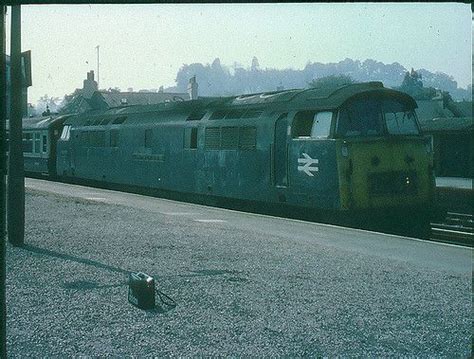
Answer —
(383, 174)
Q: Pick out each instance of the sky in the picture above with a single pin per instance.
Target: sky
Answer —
(143, 46)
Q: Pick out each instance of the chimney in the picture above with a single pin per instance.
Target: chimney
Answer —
(193, 88)
(90, 86)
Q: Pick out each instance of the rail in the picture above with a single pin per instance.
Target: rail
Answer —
(457, 228)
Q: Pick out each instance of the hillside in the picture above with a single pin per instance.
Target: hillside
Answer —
(216, 79)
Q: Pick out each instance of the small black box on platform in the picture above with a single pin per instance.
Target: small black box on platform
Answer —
(141, 290)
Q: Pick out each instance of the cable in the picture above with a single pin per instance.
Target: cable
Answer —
(170, 303)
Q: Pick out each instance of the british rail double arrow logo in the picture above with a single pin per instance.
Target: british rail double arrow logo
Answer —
(306, 163)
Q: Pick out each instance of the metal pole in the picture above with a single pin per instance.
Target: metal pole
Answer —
(97, 47)
(3, 172)
(16, 176)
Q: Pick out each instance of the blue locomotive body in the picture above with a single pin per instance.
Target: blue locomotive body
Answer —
(353, 149)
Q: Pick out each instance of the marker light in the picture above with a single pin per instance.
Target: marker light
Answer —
(344, 150)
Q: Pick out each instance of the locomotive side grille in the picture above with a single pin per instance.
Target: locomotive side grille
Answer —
(212, 138)
(393, 183)
(230, 138)
(227, 138)
(248, 138)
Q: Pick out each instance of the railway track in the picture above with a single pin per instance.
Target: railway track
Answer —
(457, 228)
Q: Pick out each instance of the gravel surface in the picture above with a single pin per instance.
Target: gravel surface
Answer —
(239, 291)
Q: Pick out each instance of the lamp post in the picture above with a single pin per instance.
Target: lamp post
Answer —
(97, 47)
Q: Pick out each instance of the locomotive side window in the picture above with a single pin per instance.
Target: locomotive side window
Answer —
(148, 138)
(196, 116)
(218, 115)
(114, 138)
(119, 120)
(253, 113)
(190, 138)
(321, 125)
(234, 114)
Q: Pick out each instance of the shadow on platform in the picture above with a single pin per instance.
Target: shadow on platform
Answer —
(72, 258)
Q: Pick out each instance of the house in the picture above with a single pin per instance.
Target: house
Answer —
(91, 98)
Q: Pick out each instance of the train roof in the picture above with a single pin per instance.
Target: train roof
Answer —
(41, 122)
(295, 99)
(452, 124)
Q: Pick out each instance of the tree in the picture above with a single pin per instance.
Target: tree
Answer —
(413, 86)
(255, 64)
(331, 82)
(45, 102)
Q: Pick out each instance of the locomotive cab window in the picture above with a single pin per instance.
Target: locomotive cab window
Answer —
(302, 124)
(311, 124)
(321, 125)
(399, 118)
(376, 116)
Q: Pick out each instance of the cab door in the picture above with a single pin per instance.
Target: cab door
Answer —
(280, 150)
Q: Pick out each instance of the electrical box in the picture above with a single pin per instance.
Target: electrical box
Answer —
(141, 290)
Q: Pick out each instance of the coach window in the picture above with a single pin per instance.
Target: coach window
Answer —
(148, 138)
(190, 138)
(37, 144)
(28, 142)
(321, 125)
(44, 143)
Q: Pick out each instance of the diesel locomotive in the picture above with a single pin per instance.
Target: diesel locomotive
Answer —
(356, 149)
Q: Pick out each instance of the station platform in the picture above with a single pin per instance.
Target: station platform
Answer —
(246, 285)
(454, 182)
(455, 194)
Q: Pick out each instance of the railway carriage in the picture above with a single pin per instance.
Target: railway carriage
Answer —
(356, 149)
(40, 135)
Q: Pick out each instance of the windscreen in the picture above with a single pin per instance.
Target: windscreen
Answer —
(376, 116)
